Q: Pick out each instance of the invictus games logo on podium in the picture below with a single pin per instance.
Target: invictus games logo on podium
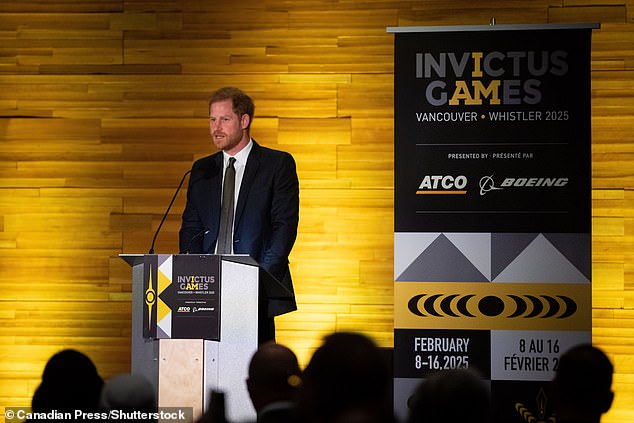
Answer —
(182, 297)
(150, 297)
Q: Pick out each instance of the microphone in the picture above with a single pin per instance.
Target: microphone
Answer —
(195, 237)
(167, 211)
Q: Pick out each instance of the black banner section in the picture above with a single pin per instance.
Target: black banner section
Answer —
(492, 131)
(419, 353)
(522, 402)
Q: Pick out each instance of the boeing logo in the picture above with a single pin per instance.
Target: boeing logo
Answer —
(487, 183)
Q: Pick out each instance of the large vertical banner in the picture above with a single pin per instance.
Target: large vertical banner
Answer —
(492, 207)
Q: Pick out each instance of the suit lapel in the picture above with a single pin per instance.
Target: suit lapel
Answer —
(213, 199)
(251, 170)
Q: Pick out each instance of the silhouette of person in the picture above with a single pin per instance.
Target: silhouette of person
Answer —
(70, 382)
(216, 413)
(273, 380)
(127, 393)
(450, 396)
(581, 388)
(346, 381)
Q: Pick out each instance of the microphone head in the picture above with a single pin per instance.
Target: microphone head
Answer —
(194, 238)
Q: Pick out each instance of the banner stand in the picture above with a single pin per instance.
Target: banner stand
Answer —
(492, 207)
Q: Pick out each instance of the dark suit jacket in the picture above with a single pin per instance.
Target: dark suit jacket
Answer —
(266, 216)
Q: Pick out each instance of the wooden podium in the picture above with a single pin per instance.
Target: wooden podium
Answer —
(186, 371)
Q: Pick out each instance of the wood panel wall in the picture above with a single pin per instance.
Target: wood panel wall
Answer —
(103, 108)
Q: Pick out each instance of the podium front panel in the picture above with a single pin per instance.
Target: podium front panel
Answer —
(225, 360)
(182, 296)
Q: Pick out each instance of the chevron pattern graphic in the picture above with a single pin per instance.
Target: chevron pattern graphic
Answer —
(492, 257)
(164, 313)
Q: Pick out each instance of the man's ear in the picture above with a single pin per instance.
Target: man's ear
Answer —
(244, 121)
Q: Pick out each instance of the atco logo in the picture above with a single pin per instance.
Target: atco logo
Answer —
(183, 309)
(487, 183)
(439, 184)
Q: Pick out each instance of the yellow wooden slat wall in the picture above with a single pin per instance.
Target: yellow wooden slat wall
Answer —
(103, 108)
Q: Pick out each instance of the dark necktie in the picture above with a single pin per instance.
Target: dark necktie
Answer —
(225, 237)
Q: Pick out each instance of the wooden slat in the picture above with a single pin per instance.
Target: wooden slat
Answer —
(103, 107)
(64, 6)
(589, 13)
(536, 12)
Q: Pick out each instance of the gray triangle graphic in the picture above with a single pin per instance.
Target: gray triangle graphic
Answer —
(577, 248)
(164, 326)
(476, 247)
(408, 246)
(442, 262)
(160, 334)
(162, 258)
(505, 248)
(541, 262)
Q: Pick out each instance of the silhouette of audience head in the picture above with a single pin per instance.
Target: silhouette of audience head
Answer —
(582, 387)
(69, 382)
(347, 380)
(127, 392)
(274, 375)
(451, 396)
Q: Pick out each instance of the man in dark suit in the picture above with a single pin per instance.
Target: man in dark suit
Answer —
(273, 381)
(265, 203)
(582, 386)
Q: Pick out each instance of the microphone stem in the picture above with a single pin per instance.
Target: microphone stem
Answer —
(167, 211)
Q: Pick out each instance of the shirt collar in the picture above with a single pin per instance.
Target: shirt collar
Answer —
(241, 156)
